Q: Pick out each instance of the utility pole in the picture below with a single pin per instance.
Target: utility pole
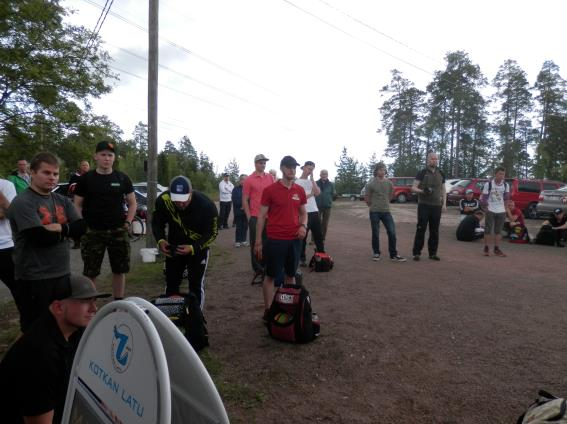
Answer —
(153, 61)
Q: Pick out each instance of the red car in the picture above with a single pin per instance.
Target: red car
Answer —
(525, 193)
(458, 190)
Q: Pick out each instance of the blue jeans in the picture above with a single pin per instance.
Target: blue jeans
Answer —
(388, 221)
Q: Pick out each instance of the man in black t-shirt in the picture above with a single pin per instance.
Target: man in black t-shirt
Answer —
(34, 373)
(469, 229)
(100, 196)
(468, 205)
(191, 219)
(558, 223)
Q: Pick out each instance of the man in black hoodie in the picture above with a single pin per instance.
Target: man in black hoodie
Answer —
(192, 225)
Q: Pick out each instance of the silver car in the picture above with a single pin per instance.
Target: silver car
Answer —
(549, 200)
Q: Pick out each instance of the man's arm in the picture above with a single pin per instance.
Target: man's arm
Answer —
(211, 230)
(302, 230)
(259, 229)
(46, 418)
(245, 205)
(78, 201)
(316, 191)
(131, 203)
(415, 188)
(444, 196)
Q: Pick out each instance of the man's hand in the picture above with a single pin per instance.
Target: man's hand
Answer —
(184, 249)
(164, 247)
(258, 250)
(53, 227)
(301, 232)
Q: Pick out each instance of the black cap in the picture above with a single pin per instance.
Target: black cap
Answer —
(558, 211)
(289, 161)
(105, 145)
(80, 287)
(308, 163)
(225, 175)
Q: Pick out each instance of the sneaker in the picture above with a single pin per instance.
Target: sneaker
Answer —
(237, 244)
(245, 243)
(499, 252)
(416, 258)
(258, 278)
(434, 258)
(376, 257)
(265, 316)
(398, 259)
(486, 251)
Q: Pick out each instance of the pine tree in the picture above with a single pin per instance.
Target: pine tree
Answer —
(349, 178)
(232, 170)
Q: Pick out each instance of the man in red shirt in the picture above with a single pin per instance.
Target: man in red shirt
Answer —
(284, 201)
(252, 190)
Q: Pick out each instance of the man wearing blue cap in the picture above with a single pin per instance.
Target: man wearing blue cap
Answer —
(192, 226)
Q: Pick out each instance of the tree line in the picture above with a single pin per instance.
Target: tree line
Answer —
(474, 124)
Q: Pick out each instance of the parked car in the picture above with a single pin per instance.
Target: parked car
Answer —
(450, 183)
(143, 188)
(549, 200)
(61, 188)
(402, 189)
(526, 193)
(458, 189)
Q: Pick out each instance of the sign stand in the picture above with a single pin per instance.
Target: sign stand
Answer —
(134, 366)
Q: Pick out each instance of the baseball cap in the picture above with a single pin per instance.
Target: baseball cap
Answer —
(558, 211)
(308, 163)
(105, 145)
(288, 161)
(80, 287)
(469, 191)
(260, 157)
(179, 188)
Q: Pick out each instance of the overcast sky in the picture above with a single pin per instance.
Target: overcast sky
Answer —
(302, 77)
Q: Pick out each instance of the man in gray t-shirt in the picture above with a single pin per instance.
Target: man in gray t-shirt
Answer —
(41, 222)
(379, 192)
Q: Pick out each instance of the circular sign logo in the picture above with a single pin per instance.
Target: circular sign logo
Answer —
(122, 347)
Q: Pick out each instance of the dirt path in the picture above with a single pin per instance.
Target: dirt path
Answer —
(466, 340)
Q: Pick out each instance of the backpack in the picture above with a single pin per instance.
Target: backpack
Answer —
(546, 409)
(545, 236)
(519, 234)
(321, 262)
(290, 317)
(185, 312)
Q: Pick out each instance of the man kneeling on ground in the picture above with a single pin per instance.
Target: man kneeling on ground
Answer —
(35, 372)
(469, 229)
(558, 224)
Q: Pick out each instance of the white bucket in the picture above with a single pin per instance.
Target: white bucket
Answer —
(149, 255)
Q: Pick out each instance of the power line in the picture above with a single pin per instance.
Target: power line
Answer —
(186, 50)
(370, 27)
(212, 87)
(171, 88)
(357, 38)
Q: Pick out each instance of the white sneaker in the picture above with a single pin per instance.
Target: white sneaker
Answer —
(376, 257)
(237, 244)
(245, 243)
(398, 259)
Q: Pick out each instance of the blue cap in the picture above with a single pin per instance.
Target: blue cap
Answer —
(180, 188)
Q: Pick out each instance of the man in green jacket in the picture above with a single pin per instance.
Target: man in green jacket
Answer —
(20, 177)
(325, 199)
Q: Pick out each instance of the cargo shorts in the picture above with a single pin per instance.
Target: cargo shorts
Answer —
(95, 242)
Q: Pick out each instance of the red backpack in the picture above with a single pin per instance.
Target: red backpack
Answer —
(321, 262)
(290, 317)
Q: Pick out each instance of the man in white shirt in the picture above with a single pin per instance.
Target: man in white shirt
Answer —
(225, 191)
(495, 194)
(7, 194)
(313, 221)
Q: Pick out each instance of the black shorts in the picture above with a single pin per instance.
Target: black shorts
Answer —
(282, 254)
